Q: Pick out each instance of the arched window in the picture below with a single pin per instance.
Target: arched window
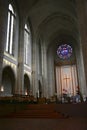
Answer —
(10, 30)
(27, 45)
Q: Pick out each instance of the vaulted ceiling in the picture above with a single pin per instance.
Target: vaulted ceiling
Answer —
(50, 17)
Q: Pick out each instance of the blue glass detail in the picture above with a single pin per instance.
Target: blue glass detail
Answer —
(64, 51)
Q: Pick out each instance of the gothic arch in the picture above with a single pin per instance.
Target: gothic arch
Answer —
(8, 81)
(26, 84)
(64, 37)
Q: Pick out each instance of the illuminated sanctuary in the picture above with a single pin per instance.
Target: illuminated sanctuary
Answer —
(43, 48)
(43, 64)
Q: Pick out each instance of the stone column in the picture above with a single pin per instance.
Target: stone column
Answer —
(44, 73)
(3, 30)
(82, 20)
(20, 68)
(34, 67)
(50, 66)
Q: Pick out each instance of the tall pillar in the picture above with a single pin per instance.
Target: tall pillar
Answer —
(20, 68)
(82, 20)
(34, 68)
(3, 28)
(44, 73)
(50, 69)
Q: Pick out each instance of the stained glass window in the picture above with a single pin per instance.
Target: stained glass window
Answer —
(10, 30)
(64, 51)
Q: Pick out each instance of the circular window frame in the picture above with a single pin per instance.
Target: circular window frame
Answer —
(64, 51)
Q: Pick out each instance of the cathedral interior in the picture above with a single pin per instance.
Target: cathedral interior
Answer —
(43, 52)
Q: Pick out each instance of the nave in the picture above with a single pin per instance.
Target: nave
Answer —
(68, 117)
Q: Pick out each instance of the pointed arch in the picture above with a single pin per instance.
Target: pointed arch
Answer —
(26, 84)
(8, 81)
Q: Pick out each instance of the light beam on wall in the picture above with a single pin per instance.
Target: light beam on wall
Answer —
(2, 88)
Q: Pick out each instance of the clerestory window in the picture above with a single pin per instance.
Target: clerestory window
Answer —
(10, 30)
(27, 45)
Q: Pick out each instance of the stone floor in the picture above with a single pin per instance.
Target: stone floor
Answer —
(43, 124)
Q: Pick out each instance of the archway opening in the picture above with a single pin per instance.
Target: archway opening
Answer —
(66, 72)
(26, 85)
(8, 82)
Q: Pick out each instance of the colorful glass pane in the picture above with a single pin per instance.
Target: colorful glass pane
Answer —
(64, 51)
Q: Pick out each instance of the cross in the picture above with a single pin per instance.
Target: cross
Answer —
(66, 79)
